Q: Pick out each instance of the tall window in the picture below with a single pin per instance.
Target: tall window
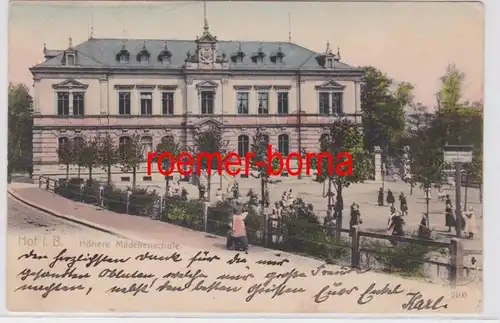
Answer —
(167, 103)
(263, 100)
(207, 102)
(283, 103)
(62, 141)
(147, 145)
(242, 102)
(243, 145)
(78, 103)
(337, 104)
(146, 103)
(123, 142)
(124, 103)
(324, 103)
(63, 103)
(77, 143)
(283, 145)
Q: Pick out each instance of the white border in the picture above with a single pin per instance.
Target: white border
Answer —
(491, 165)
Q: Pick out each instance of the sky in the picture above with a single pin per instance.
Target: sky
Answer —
(410, 41)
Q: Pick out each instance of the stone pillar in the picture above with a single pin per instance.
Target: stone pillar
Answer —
(357, 92)
(378, 164)
(36, 100)
(191, 97)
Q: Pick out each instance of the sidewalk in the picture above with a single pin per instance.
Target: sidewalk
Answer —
(122, 225)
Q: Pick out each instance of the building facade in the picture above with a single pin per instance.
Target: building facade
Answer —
(158, 88)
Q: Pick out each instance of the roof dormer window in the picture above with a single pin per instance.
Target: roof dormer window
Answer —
(165, 55)
(237, 57)
(277, 57)
(328, 58)
(123, 55)
(258, 57)
(329, 62)
(70, 59)
(143, 55)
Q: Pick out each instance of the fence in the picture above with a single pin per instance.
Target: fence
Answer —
(295, 235)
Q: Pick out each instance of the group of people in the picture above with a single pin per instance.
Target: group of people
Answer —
(176, 189)
(467, 219)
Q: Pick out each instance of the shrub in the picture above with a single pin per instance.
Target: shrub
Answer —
(70, 188)
(218, 218)
(115, 199)
(184, 213)
(142, 202)
(397, 258)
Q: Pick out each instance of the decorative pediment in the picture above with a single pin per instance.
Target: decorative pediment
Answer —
(208, 124)
(69, 85)
(207, 85)
(330, 85)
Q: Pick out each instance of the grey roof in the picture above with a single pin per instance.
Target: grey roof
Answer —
(101, 53)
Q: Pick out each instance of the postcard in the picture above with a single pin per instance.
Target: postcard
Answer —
(250, 157)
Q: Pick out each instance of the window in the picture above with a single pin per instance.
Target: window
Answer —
(146, 103)
(243, 145)
(63, 103)
(283, 103)
(337, 105)
(78, 143)
(283, 145)
(147, 145)
(124, 103)
(78, 103)
(167, 103)
(242, 102)
(123, 142)
(62, 141)
(70, 59)
(207, 102)
(263, 100)
(324, 103)
(124, 58)
(329, 63)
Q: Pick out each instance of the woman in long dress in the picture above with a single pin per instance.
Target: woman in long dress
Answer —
(470, 223)
(449, 219)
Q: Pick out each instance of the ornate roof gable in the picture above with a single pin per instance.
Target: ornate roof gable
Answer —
(69, 85)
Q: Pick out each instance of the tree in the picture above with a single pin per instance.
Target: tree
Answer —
(209, 143)
(90, 155)
(343, 137)
(108, 154)
(169, 145)
(78, 146)
(65, 155)
(383, 113)
(20, 129)
(131, 155)
(260, 162)
(426, 154)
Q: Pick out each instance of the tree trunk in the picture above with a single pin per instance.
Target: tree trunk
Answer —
(466, 185)
(167, 181)
(90, 175)
(109, 174)
(79, 171)
(262, 193)
(339, 213)
(329, 192)
(67, 171)
(427, 206)
(481, 192)
(209, 187)
(134, 174)
(411, 189)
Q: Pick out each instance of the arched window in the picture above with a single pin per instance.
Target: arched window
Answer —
(147, 145)
(243, 145)
(283, 145)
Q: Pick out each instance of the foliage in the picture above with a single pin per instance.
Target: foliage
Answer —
(184, 213)
(89, 157)
(131, 155)
(168, 144)
(107, 153)
(65, 155)
(142, 202)
(20, 128)
(383, 110)
(210, 142)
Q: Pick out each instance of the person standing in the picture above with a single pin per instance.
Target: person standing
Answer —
(237, 234)
(403, 206)
(390, 198)
(397, 226)
(380, 199)
(449, 218)
(355, 216)
(424, 231)
(470, 223)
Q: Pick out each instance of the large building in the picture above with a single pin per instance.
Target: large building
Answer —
(159, 88)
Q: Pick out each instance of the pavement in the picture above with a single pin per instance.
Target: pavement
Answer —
(63, 225)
